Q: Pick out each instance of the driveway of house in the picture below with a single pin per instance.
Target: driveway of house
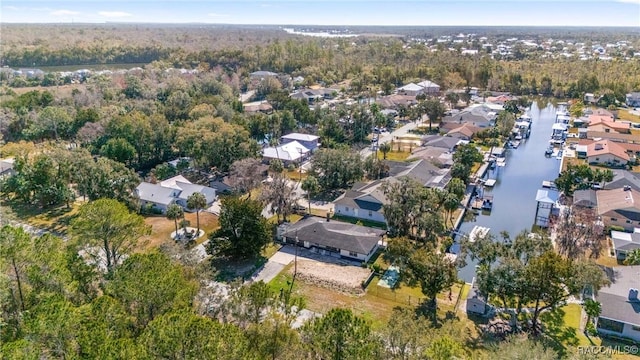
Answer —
(273, 267)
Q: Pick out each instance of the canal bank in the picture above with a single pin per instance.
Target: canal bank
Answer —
(514, 192)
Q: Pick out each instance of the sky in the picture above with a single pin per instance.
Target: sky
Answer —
(329, 12)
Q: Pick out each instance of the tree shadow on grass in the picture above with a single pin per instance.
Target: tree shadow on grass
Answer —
(556, 334)
(55, 219)
(228, 269)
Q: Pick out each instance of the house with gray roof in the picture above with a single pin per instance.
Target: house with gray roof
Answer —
(625, 242)
(335, 238)
(620, 314)
(363, 201)
(366, 200)
(585, 198)
(175, 190)
(480, 115)
(622, 178)
(445, 142)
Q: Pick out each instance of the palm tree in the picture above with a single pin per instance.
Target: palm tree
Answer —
(592, 308)
(175, 212)
(197, 201)
(385, 148)
(310, 185)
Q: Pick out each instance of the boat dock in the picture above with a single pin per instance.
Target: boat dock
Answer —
(548, 184)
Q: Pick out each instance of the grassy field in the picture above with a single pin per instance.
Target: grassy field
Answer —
(395, 155)
(161, 228)
(364, 222)
(54, 219)
(624, 114)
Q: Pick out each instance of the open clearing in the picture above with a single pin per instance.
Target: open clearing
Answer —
(161, 228)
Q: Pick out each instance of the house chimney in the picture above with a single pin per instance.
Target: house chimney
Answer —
(627, 188)
(633, 294)
(328, 216)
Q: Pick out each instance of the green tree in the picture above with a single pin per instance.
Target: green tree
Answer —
(432, 272)
(175, 212)
(521, 347)
(243, 230)
(340, 335)
(445, 348)
(197, 201)
(434, 110)
(633, 257)
(118, 149)
(385, 148)
(107, 224)
(311, 185)
(183, 335)
(575, 177)
(336, 169)
(14, 242)
(149, 285)
(592, 308)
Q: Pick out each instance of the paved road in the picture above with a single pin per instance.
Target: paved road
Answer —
(388, 136)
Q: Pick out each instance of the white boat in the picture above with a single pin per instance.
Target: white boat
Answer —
(548, 184)
(490, 182)
(478, 231)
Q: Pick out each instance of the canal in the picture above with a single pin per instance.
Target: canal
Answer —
(514, 193)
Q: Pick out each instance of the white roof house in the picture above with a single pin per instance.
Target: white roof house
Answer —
(174, 190)
(300, 137)
(411, 87)
(289, 152)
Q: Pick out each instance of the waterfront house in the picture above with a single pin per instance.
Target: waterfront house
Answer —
(619, 207)
(290, 153)
(422, 171)
(620, 315)
(175, 190)
(438, 156)
(480, 115)
(585, 198)
(606, 152)
(465, 131)
(604, 124)
(623, 178)
(476, 303)
(335, 238)
(307, 140)
(444, 142)
(625, 242)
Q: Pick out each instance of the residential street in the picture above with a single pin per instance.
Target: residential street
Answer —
(388, 136)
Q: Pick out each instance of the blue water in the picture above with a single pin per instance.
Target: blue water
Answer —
(514, 204)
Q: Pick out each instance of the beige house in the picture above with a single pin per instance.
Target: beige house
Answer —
(607, 152)
(619, 207)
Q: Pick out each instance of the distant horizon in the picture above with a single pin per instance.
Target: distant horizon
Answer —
(327, 26)
(496, 13)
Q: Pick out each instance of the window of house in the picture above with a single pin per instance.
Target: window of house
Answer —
(628, 221)
(635, 328)
(610, 325)
(370, 213)
(351, 253)
(614, 219)
(346, 208)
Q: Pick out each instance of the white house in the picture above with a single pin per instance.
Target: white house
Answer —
(290, 153)
(411, 89)
(307, 140)
(175, 190)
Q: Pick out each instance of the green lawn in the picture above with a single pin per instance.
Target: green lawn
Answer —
(368, 223)
(396, 155)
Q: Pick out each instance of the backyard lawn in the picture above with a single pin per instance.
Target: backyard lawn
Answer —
(54, 219)
(161, 228)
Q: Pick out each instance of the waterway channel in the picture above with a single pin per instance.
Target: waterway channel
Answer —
(514, 193)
